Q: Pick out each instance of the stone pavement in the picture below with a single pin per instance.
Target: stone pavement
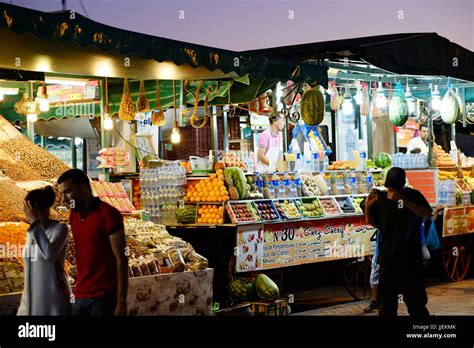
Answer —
(443, 299)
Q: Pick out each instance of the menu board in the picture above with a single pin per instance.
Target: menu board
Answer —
(458, 220)
(261, 247)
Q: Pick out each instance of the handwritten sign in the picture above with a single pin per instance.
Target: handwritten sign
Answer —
(287, 244)
(458, 220)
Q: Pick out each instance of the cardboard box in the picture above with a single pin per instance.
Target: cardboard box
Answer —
(277, 308)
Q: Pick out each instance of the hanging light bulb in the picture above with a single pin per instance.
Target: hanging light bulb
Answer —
(108, 122)
(381, 101)
(42, 99)
(411, 101)
(347, 106)
(32, 117)
(175, 136)
(1, 97)
(436, 99)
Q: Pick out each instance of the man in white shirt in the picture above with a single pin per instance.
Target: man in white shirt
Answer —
(419, 144)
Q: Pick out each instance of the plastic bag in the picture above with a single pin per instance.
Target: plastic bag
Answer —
(432, 240)
(126, 110)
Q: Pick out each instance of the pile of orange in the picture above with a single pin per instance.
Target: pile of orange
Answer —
(210, 214)
(211, 189)
(13, 233)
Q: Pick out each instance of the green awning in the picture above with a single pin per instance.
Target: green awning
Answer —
(226, 92)
(58, 42)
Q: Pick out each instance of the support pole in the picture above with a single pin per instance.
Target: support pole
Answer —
(30, 126)
(225, 109)
(214, 132)
(73, 153)
(104, 136)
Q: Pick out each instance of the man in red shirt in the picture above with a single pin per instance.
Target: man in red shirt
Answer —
(99, 238)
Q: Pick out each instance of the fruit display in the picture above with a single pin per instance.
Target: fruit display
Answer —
(340, 165)
(310, 208)
(356, 202)
(210, 214)
(230, 159)
(441, 158)
(463, 185)
(330, 206)
(266, 288)
(235, 177)
(13, 233)
(266, 210)
(186, 214)
(346, 205)
(241, 213)
(243, 288)
(16, 171)
(287, 209)
(254, 193)
(311, 185)
(211, 189)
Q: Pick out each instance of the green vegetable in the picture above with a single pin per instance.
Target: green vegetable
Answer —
(383, 160)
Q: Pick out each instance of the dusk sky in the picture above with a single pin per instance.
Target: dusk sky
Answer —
(252, 24)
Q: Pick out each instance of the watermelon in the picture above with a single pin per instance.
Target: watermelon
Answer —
(383, 160)
(186, 214)
(450, 110)
(243, 288)
(312, 107)
(235, 176)
(266, 288)
(398, 110)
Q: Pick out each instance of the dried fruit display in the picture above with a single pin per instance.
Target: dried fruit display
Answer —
(17, 171)
(11, 201)
(310, 208)
(267, 210)
(346, 205)
(330, 206)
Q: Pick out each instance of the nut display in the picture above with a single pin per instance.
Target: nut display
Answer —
(311, 209)
(330, 206)
(288, 209)
(266, 210)
(11, 201)
(310, 185)
(241, 212)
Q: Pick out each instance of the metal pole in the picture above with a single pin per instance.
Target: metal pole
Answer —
(104, 136)
(453, 132)
(181, 121)
(333, 133)
(430, 139)
(285, 135)
(370, 145)
(161, 149)
(225, 129)
(214, 132)
(30, 126)
(73, 153)
(463, 101)
(43, 142)
(84, 155)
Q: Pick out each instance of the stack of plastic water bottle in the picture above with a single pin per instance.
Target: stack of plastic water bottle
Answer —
(162, 190)
(410, 161)
(447, 192)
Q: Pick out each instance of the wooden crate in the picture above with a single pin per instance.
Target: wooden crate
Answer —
(270, 309)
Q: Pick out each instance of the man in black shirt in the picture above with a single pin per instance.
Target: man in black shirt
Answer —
(398, 215)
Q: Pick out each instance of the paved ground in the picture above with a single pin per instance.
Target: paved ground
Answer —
(443, 299)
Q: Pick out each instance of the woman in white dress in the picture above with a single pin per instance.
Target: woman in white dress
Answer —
(46, 290)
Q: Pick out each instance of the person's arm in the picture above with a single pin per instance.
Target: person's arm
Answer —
(118, 243)
(370, 207)
(415, 201)
(49, 248)
(261, 156)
